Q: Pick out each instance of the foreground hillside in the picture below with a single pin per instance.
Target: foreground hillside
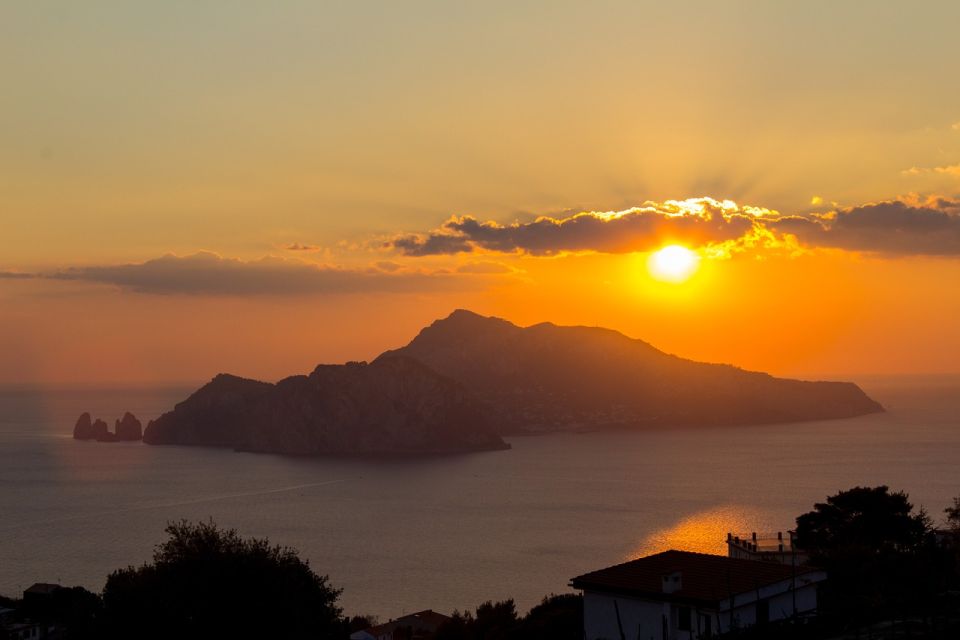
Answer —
(390, 406)
(548, 377)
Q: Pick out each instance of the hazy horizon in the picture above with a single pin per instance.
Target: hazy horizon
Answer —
(249, 372)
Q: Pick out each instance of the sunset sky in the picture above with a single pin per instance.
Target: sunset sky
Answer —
(194, 187)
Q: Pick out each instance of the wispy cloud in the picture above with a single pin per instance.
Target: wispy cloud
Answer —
(484, 268)
(950, 169)
(207, 273)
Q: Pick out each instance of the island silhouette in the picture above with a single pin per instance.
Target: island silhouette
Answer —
(466, 380)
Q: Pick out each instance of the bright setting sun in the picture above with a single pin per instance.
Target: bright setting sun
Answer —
(673, 263)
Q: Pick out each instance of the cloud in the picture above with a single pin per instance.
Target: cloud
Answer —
(16, 275)
(695, 221)
(950, 170)
(720, 227)
(296, 246)
(386, 265)
(431, 244)
(208, 273)
(953, 170)
(485, 268)
(894, 227)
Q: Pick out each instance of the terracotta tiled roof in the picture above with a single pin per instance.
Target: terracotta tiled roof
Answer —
(704, 578)
(43, 588)
(428, 617)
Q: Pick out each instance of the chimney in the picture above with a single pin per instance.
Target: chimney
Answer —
(672, 582)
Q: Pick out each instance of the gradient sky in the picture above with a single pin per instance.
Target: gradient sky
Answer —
(191, 187)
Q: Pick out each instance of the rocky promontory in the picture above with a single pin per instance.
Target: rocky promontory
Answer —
(126, 429)
(392, 406)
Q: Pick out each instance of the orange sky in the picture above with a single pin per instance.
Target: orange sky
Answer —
(192, 189)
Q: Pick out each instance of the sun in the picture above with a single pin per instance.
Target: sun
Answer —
(673, 263)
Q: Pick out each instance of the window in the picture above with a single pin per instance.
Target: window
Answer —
(763, 611)
(683, 619)
(704, 626)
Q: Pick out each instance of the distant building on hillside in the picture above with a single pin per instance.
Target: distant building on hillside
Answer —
(680, 595)
(40, 591)
(422, 624)
(775, 547)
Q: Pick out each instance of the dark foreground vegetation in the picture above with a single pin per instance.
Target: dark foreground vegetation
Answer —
(892, 574)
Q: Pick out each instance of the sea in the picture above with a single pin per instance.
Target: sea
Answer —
(403, 534)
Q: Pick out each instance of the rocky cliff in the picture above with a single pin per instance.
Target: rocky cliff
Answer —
(394, 405)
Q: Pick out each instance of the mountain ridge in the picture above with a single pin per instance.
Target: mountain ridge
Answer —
(546, 377)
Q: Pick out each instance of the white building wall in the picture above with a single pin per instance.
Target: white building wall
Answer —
(780, 597)
(641, 619)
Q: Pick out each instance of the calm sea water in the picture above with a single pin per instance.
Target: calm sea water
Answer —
(444, 533)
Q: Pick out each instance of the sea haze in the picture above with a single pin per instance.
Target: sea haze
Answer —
(448, 532)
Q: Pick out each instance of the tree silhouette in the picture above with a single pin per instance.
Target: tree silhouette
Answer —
(558, 617)
(869, 518)
(876, 550)
(953, 516)
(209, 582)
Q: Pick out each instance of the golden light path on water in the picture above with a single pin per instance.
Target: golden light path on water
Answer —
(705, 531)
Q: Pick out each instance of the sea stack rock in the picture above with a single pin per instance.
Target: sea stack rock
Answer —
(83, 430)
(101, 432)
(128, 428)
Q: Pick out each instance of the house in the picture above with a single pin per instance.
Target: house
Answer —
(40, 592)
(680, 595)
(415, 625)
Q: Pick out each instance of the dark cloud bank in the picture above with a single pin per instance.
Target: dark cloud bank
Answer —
(895, 227)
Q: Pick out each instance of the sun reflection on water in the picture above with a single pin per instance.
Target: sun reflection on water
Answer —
(704, 531)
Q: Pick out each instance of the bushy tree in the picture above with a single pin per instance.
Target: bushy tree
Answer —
(556, 618)
(869, 518)
(876, 549)
(953, 516)
(495, 620)
(209, 582)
